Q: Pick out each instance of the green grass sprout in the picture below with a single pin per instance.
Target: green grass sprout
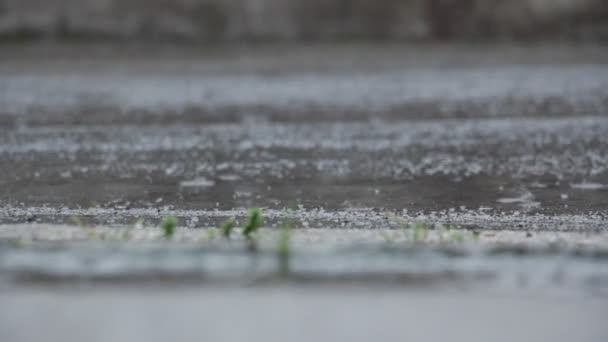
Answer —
(284, 242)
(253, 223)
(284, 248)
(89, 230)
(420, 231)
(168, 226)
(211, 234)
(404, 225)
(386, 236)
(127, 234)
(456, 235)
(227, 227)
(441, 233)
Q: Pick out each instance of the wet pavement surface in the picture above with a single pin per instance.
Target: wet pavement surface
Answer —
(498, 131)
(508, 143)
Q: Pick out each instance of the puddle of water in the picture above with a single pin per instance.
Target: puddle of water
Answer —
(588, 186)
(196, 184)
(417, 165)
(526, 200)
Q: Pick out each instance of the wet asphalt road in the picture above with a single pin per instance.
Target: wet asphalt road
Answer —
(496, 131)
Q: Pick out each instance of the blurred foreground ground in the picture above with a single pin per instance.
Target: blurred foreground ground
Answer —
(295, 314)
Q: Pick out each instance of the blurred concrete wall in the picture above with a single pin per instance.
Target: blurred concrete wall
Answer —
(245, 20)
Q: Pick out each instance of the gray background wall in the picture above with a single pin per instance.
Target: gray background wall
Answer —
(294, 20)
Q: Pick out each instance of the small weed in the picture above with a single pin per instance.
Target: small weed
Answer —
(89, 230)
(284, 243)
(211, 234)
(226, 229)
(416, 232)
(138, 224)
(168, 226)
(253, 223)
(441, 233)
(456, 235)
(127, 234)
(420, 232)
(283, 249)
(405, 226)
(386, 236)
(77, 221)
